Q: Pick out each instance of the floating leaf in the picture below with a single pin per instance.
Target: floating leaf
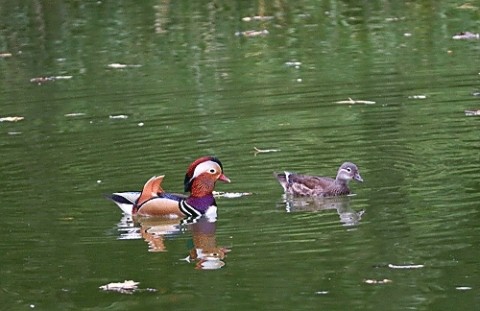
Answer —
(417, 96)
(230, 195)
(119, 116)
(75, 114)
(371, 281)
(391, 266)
(293, 64)
(352, 102)
(472, 112)
(11, 119)
(126, 287)
(252, 33)
(40, 80)
(122, 66)
(257, 18)
(257, 150)
(467, 6)
(4, 55)
(466, 35)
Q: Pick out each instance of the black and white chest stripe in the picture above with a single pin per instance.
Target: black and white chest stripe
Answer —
(188, 210)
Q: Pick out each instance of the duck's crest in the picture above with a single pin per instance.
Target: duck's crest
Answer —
(191, 169)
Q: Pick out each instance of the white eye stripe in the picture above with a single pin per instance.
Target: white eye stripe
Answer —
(205, 167)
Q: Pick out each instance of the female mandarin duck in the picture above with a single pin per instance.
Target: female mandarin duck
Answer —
(304, 185)
(154, 201)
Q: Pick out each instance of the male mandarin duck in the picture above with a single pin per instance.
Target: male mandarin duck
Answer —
(305, 185)
(154, 201)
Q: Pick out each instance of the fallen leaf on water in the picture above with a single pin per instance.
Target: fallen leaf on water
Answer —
(252, 33)
(472, 112)
(293, 64)
(63, 77)
(463, 288)
(126, 287)
(119, 116)
(230, 195)
(40, 80)
(4, 55)
(352, 102)
(466, 35)
(467, 6)
(417, 96)
(391, 266)
(75, 114)
(257, 150)
(256, 18)
(371, 281)
(122, 66)
(11, 119)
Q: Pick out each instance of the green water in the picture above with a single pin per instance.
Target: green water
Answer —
(408, 239)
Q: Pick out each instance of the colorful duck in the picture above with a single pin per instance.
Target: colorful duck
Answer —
(154, 201)
(305, 185)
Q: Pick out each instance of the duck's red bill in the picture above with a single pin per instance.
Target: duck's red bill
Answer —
(224, 178)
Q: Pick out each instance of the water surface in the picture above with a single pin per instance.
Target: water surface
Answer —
(191, 86)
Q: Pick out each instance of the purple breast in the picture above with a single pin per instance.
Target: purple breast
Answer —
(201, 204)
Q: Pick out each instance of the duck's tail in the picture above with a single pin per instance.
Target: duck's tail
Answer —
(124, 200)
(282, 178)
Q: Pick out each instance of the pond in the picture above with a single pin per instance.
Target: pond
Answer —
(97, 97)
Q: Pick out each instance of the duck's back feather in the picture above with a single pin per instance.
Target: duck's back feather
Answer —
(306, 185)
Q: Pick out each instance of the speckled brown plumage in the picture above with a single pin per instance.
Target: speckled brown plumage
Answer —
(306, 185)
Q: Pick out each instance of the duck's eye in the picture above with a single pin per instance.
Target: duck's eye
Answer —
(349, 170)
(212, 171)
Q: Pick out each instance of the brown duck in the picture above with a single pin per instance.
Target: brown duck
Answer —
(305, 185)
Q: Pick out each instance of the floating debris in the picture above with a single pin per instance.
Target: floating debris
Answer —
(252, 33)
(463, 288)
(126, 287)
(476, 93)
(257, 150)
(141, 124)
(257, 18)
(352, 102)
(371, 281)
(122, 66)
(5, 55)
(395, 19)
(472, 112)
(417, 96)
(11, 119)
(467, 6)
(293, 64)
(75, 114)
(466, 35)
(14, 133)
(391, 266)
(41, 80)
(231, 195)
(118, 116)
(322, 292)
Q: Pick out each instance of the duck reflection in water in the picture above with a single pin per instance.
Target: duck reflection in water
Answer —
(203, 249)
(348, 216)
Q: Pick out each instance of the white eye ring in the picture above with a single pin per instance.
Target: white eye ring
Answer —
(212, 171)
(349, 169)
